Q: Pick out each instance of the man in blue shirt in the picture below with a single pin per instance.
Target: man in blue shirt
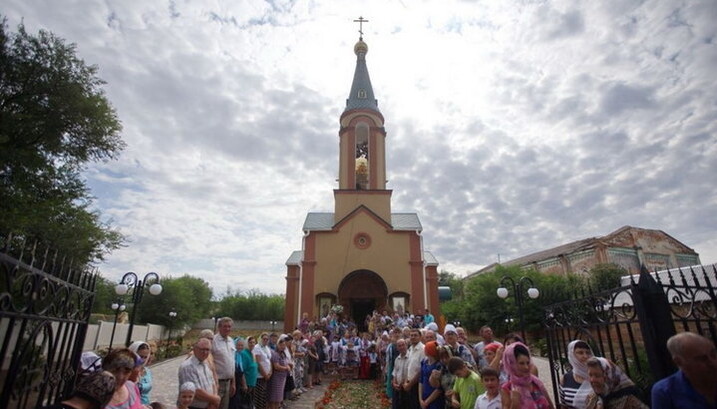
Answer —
(694, 386)
(428, 318)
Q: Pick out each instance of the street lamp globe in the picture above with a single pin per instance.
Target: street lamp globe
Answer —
(121, 289)
(155, 289)
(502, 292)
(114, 306)
(533, 293)
(122, 307)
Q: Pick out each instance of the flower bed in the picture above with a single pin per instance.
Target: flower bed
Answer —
(354, 395)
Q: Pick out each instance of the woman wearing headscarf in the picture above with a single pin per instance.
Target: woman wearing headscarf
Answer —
(444, 377)
(509, 339)
(575, 386)
(611, 388)
(431, 397)
(523, 389)
(242, 396)
(262, 354)
(280, 371)
(251, 367)
(490, 352)
(121, 362)
(143, 374)
(92, 391)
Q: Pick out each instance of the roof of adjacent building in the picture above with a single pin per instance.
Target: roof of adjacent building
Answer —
(429, 259)
(361, 95)
(325, 221)
(563, 249)
(296, 257)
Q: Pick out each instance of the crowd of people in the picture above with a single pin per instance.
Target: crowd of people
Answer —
(421, 368)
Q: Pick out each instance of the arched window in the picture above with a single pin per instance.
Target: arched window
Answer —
(362, 158)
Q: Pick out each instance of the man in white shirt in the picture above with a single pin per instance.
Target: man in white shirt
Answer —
(400, 374)
(223, 350)
(195, 369)
(487, 334)
(415, 356)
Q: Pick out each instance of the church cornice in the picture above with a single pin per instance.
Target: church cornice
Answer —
(352, 114)
(363, 192)
(379, 129)
(366, 210)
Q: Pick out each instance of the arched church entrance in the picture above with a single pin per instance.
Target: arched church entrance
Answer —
(361, 292)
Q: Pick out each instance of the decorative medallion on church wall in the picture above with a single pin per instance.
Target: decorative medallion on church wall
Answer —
(362, 240)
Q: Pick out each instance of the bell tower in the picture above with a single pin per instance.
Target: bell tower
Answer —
(361, 256)
(362, 148)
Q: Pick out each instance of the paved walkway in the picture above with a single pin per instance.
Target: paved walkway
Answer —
(164, 381)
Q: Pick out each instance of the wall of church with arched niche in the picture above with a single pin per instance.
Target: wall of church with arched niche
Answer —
(360, 293)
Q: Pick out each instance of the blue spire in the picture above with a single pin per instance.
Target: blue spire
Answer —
(361, 96)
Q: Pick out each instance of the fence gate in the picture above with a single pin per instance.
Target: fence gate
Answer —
(630, 325)
(45, 307)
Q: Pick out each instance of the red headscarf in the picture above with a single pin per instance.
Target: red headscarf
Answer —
(431, 349)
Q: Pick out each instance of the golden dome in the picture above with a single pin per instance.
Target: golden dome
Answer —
(360, 47)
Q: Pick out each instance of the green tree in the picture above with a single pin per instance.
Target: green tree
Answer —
(482, 306)
(606, 276)
(54, 120)
(104, 296)
(451, 280)
(252, 305)
(190, 297)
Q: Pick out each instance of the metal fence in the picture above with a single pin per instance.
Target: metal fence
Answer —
(45, 305)
(630, 325)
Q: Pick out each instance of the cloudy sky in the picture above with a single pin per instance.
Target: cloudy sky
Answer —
(512, 126)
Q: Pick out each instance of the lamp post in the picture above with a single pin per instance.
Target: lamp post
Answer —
(172, 316)
(524, 285)
(117, 306)
(273, 323)
(130, 281)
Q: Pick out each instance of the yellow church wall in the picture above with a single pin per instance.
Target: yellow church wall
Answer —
(388, 255)
(346, 201)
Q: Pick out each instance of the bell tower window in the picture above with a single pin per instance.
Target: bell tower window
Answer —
(362, 159)
(361, 94)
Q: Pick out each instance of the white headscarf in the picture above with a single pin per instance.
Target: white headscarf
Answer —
(580, 369)
(615, 378)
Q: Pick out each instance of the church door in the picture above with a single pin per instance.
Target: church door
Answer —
(361, 292)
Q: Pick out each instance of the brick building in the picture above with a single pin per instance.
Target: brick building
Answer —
(628, 247)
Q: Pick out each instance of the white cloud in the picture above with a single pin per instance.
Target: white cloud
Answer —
(512, 126)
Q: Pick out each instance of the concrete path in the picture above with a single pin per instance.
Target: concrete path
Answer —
(543, 365)
(164, 381)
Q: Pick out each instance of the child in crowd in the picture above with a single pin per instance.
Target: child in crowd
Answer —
(350, 361)
(186, 395)
(373, 360)
(467, 386)
(335, 354)
(491, 398)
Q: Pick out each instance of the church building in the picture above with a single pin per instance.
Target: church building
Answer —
(361, 256)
